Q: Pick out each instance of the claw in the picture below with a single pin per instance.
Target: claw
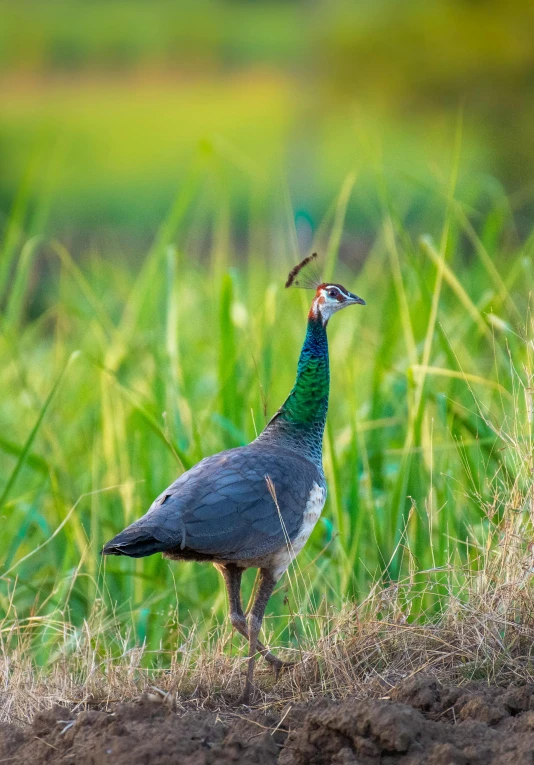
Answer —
(279, 665)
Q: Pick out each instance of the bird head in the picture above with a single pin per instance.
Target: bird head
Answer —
(330, 298)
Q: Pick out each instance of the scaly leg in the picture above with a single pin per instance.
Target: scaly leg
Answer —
(265, 590)
(232, 577)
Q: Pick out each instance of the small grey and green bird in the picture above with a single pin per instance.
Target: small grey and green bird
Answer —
(256, 505)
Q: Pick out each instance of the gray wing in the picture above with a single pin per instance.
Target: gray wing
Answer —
(223, 507)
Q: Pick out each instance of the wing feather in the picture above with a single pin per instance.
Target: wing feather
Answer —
(223, 506)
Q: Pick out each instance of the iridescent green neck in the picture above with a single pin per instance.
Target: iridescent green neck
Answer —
(307, 403)
(300, 421)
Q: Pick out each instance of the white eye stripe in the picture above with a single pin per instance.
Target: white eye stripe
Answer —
(335, 290)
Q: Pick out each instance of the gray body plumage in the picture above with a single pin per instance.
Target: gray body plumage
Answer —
(241, 505)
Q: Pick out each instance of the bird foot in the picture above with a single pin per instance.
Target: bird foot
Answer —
(279, 665)
(276, 663)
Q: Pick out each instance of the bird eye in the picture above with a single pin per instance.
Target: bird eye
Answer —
(333, 292)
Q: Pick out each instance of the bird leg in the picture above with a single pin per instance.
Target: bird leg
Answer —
(265, 590)
(232, 577)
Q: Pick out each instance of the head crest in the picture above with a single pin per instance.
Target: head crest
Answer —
(307, 280)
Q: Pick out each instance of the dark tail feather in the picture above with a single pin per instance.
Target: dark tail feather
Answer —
(134, 542)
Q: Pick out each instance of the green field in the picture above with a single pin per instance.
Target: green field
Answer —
(116, 380)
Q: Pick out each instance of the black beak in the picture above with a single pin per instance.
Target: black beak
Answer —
(355, 299)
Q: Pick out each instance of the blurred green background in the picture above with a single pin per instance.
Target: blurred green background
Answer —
(106, 106)
(163, 165)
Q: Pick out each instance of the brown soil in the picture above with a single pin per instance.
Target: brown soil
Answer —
(420, 723)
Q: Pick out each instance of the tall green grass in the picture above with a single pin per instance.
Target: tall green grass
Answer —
(117, 378)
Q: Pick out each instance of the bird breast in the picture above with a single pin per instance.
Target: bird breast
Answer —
(314, 506)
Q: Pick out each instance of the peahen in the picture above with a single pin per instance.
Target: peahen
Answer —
(256, 505)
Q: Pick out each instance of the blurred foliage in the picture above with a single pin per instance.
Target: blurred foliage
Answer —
(358, 46)
(107, 105)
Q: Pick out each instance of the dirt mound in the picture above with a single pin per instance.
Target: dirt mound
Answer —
(136, 733)
(421, 723)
